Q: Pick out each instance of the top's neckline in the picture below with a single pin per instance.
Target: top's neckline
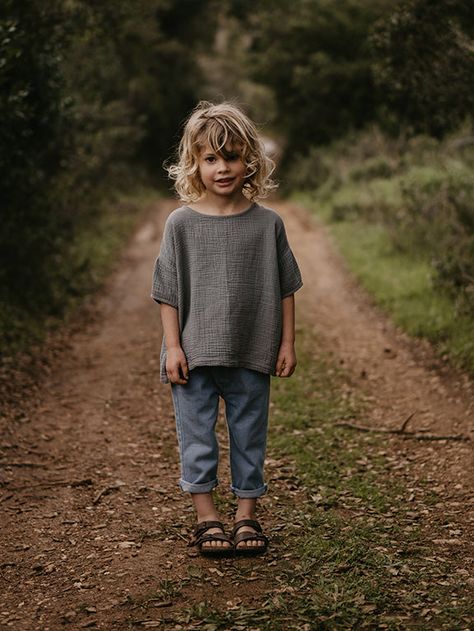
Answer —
(243, 212)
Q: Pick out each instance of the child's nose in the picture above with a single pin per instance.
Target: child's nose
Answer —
(222, 165)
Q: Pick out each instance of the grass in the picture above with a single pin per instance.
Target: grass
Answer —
(353, 553)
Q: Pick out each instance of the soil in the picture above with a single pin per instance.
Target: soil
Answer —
(92, 520)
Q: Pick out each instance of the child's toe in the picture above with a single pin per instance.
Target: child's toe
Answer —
(249, 536)
(209, 538)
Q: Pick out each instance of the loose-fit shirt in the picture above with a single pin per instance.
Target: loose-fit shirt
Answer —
(226, 275)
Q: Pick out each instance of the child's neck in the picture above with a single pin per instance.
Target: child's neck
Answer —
(220, 204)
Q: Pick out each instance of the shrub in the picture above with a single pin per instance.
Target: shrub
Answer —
(421, 189)
(309, 171)
(376, 167)
(437, 220)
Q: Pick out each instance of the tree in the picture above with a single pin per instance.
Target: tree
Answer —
(315, 56)
(33, 141)
(424, 64)
(92, 94)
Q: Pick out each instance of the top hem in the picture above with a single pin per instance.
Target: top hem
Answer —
(293, 290)
(195, 363)
(162, 299)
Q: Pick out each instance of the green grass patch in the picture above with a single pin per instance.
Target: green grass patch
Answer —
(352, 553)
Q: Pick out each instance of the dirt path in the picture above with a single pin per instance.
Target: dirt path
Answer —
(400, 375)
(90, 507)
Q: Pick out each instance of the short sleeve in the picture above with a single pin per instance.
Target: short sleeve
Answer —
(164, 284)
(290, 275)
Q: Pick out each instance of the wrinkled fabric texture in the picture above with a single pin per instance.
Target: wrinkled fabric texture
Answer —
(226, 276)
(246, 396)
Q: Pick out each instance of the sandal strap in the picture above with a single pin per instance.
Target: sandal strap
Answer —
(253, 523)
(203, 526)
(200, 536)
(217, 536)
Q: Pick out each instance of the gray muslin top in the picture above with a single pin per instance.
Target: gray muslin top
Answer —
(226, 276)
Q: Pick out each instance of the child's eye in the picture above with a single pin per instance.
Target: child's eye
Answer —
(210, 159)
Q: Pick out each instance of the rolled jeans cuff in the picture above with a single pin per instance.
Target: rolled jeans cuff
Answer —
(250, 494)
(206, 487)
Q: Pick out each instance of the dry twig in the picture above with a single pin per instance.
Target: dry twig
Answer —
(402, 430)
(106, 490)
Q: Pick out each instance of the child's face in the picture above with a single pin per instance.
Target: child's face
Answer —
(222, 174)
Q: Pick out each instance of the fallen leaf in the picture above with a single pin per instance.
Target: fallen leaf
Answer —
(195, 571)
(368, 608)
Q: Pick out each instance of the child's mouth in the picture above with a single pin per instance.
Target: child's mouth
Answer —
(225, 181)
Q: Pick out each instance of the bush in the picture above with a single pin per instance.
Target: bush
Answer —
(34, 138)
(309, 171)
(436, 220)
(420, 189)
(379, 166)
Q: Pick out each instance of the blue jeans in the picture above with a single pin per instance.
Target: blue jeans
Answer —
(246, 396)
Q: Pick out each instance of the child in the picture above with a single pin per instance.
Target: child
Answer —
(224, 278)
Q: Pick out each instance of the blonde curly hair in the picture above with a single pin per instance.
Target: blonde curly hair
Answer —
(217, 125)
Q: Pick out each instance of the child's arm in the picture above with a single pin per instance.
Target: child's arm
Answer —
(176, 364)
(286, 360)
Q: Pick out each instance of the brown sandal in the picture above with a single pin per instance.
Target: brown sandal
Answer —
(200, 537)
(249, 536)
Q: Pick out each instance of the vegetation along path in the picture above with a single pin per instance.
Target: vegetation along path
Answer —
(368, 529)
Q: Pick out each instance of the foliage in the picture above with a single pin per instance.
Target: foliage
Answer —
(92, 95)
(316, 58)
(402, 212)
(34, 138)
(424, 65)
(336, 66)
(436, 219)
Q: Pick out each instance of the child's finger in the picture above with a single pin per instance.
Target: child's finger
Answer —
(285, 372)
(182, 379)
(184, 369)
(288, 370)
(280, 366)
(174, 375)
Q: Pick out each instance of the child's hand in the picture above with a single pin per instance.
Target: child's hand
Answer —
(286, 360)
(177, 366)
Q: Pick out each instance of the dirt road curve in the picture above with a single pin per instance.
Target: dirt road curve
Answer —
(90, 513)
